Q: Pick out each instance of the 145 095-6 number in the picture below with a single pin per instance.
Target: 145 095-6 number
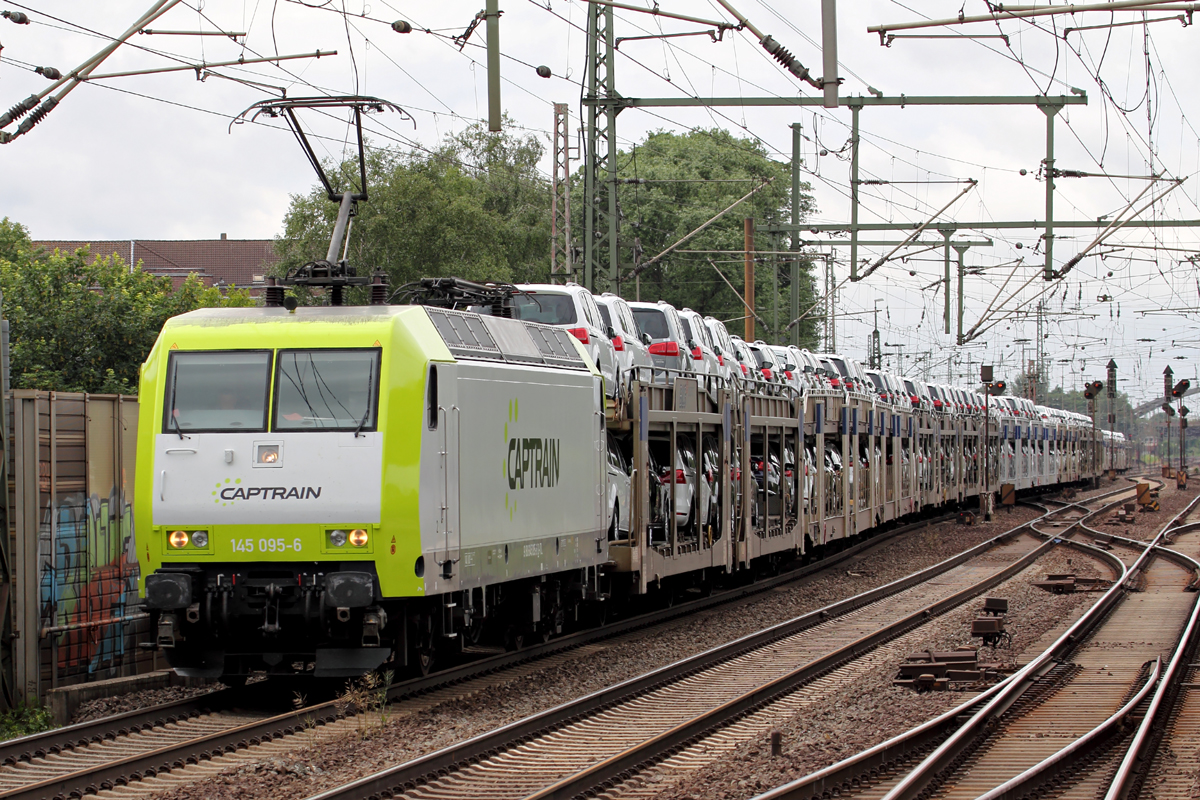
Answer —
(265, 545)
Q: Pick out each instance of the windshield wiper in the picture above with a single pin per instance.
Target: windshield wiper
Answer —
(367, 410)
(175, 419)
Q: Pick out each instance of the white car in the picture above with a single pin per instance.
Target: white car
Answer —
(620, 491)
(668, 343)
(723, 347)
(572, 307)
(699, 342)
(787, 365)
(627, 340)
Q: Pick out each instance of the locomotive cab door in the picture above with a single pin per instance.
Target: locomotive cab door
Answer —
(448, 540)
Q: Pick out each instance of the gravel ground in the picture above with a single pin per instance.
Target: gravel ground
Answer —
(1148, 523)
(869, 710)
(109, 706)
(407, 736)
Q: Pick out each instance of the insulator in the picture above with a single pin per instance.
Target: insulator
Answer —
(37, 116)
(544, 71)
(400, 26)
(48, 72)
(780, 54)
(19, 110)
(16, 16)
(379, 289)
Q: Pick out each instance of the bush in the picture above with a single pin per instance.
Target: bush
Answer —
(25, 720)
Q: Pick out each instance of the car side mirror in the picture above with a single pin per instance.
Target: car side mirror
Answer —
(611, 332)
(646, 340)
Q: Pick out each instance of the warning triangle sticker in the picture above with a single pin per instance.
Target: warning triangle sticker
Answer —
(174, 346)
(393, 540)
(377, 344)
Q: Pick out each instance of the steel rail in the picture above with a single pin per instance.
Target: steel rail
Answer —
(1027, 782)
(1162, 682)
(164, 759)
(417, 771)
(839, 776)
(919, 778)
(82, 734)
(1020, 785)
(1128, 774)
(212, 745)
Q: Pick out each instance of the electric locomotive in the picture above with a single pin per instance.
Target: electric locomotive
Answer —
(317, 481)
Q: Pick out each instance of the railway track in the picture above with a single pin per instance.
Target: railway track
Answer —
(1059, 725)
(145, 745)
(592, 743)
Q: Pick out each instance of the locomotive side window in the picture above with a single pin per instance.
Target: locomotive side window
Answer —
(217, 391)
(326, 390)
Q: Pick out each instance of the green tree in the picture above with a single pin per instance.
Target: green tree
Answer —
(476, 208)
(674, 183)
(13, 238)
(79, 324)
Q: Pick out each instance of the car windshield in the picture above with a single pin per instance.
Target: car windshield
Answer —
(761, 357)
(549, 309)
(225, 391)
(326, 390)
(841, 366)
(912, 390)
(652, 322)
(604, 313)
(878, 381)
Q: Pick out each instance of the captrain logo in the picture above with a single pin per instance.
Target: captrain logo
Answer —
(530, 462)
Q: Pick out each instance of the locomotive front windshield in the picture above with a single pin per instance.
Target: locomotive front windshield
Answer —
(211, 392)
(326, 390)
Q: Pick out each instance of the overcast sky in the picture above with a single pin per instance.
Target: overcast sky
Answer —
(153, 156)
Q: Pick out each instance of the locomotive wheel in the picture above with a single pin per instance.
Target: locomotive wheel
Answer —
(425, 659)
(514, 639)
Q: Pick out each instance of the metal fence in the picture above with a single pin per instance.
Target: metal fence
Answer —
(73, 592)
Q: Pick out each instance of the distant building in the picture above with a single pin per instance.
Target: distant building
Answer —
(225, 263)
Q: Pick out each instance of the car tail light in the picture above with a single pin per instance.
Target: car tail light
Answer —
(696, 354)
(916, 401)
(937, 403)
(787, 473)
(766, 373)
(680, 477)
(788, 372)
(664, 349)
(744, 370)
(835, 383)
(618, 344)
(579, 333)
(721, 360)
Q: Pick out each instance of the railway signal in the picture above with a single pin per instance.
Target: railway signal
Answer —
(1181, 388)
(1093, 389)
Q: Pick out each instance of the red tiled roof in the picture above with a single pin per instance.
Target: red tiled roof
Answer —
(237, 262)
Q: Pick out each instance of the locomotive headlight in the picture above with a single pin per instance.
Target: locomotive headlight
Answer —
(358, 537)
(178, 539)
(268, 454)
(337, 538)
(200, 538)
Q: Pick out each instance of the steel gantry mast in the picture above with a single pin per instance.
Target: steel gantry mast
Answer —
(602, 103)
(560, 198)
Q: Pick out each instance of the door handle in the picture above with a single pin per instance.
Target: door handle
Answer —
(180, 450)
(162, 486)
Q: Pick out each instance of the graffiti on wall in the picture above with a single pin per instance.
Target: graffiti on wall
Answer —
(88, 574)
